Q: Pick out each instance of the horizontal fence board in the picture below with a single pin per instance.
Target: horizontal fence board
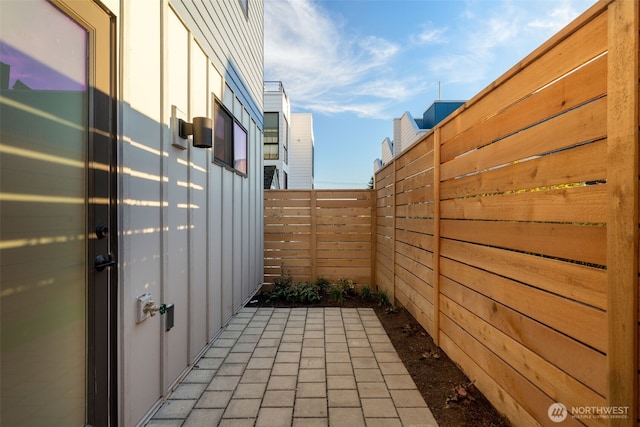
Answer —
(421, 210)
(578, 360)
(567, 241)
(419, 240)
(579, 164)
(289, 203)
(334, 239)
(578, 48)
(417, 152)
(587, 83)
(481, 363)
(577, 320)
(419, 308)
(342, 203)
(585, 204)
(544, 375)
(574, 127)
(577, 282)
(504, 402)
(416, 274)
(420, 166)
(423, 194)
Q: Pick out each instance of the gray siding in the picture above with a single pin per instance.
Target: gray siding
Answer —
(190, 229)
(233, 41)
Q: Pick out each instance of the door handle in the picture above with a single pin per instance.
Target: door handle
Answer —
(102, 262)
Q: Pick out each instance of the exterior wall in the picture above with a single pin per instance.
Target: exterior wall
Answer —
(301, 151)
(387, 151)
(278, 101)
(190, 229)
(409, 132)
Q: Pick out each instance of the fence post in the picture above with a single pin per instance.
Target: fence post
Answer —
(374, 238)
(436, 236)
(622, 215)
(312, 239)
(392, 297)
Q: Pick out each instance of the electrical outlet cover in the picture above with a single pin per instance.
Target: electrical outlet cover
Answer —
(141, 302)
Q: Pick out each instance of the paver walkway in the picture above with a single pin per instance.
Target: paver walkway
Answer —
(298, 367)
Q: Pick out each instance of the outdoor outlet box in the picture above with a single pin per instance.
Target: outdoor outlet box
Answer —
(169, 318)
(141, 303)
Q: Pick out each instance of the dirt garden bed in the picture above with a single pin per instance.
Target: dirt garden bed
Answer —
(451, 396)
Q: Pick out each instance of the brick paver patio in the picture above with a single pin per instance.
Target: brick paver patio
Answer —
(294, 367)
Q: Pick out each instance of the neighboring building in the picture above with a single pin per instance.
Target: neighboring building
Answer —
(288, 140)
(105, 208)
(271, 181)
(277, 129)
(407, 130)
(301, 152)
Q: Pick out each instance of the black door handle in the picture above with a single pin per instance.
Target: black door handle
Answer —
(102, 262)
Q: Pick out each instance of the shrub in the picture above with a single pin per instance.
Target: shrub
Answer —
(281, 287)
(383, 298)
(348, 287)
(285, 289)
(322, 283)
(366, 293)
(336, 293)
(305, 293)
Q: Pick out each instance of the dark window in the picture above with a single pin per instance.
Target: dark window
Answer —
(223, 135)
(271, 136)
(230, 140)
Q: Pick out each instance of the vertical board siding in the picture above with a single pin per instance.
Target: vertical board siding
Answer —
(190, 230)
(318, 233)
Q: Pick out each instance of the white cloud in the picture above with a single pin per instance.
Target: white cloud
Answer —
(430, 35)
(491, 31)
(559, 16)
(318, 60)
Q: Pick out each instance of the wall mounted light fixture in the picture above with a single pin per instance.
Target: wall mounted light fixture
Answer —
(201, 129)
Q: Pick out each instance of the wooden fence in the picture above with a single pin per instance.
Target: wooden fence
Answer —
(510, 231)
(319, 233)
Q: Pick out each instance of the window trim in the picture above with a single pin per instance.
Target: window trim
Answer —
(234, 122)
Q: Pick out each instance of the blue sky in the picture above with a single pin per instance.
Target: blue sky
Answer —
(357, 64)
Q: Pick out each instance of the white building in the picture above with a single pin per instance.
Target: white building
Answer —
(277, 131)
(407, 130)
(301, 151)
(106, 208)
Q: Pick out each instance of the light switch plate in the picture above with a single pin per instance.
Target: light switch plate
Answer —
(176, 141)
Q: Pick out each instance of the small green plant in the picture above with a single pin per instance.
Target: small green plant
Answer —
(284, 289)
(383, 298)
(336, 293)
(305, 293)
(366, 293)
(322, 284)
(348, 287)
(281, 287)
